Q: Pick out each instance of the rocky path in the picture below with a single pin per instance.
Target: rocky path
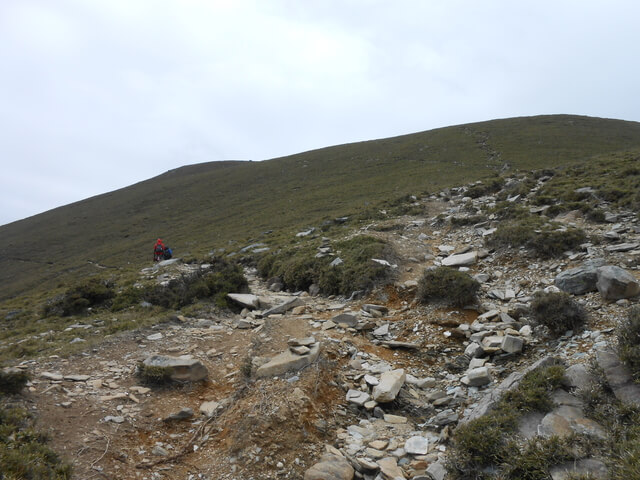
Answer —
(368, 388)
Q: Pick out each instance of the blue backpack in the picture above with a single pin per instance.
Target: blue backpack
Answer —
(168, 253)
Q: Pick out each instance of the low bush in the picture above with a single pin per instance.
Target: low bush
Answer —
(558, 311)
(298, 266)
(153, 375)
(448, 286)
(470, 220)
(24, 453)
(12, 380)
(77, 299)
(482, 189)
(543, 239)
(214, 282)
(628, 335)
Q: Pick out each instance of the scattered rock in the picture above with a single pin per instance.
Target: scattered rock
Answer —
(178, 368)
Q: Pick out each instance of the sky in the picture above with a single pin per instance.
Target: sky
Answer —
(96, 95)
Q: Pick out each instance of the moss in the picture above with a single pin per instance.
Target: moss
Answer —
(447, 286)
(558, 311)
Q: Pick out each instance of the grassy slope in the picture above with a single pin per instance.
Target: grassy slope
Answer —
(199, 207)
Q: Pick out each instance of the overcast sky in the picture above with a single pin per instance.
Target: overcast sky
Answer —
(96, 95)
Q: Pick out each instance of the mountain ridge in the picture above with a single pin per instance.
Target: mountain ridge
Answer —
(200, 207)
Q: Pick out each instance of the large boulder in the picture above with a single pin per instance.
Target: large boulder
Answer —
(179, 369)
(389, 386)
(580, 280)
(615, 283)
(330, 467)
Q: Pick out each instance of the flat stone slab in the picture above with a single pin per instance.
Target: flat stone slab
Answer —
(461, 259)
(284, 307)
(619, 377)
(288, 361)
(347, 319)
(245, 299)
(178, 369)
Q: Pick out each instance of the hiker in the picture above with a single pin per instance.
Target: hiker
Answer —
(158, 251)
(168, 253)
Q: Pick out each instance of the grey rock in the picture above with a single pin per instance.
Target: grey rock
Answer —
(160, 451)
(437, 470)
(619, 377)
(474, 350)
(347, 319)
(288, 361)
(114, 419)
(182, 414)
(512, 344)
(177, 368)
(615, 283)
(461, 259)
(330, 467)
(577, 376)
(479, 377)
(417, 445)
(371, 308)
(622, 247)
(357, 397)
(389, 386)
(284, 307)
(208, 409)
(445, 417)
(580, 280)
(245, 299)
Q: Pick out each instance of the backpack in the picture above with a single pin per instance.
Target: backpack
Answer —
(158, 249)
(167, 253)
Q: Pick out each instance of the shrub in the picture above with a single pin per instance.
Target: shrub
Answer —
(214, 282)
(481, 189)
(557, 311)
(628, 334)
(12, 380)
(24, 452)
(448, 286)
(153, 374)
(79, 298)
(544, 239)
(298, 267)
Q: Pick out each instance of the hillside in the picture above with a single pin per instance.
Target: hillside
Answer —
(201, 207)
(494, 346)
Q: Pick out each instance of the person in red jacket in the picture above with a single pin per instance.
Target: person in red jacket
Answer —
(158, 251)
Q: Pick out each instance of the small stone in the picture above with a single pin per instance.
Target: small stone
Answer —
(183, 414)
(394, 419)
(417, 445)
